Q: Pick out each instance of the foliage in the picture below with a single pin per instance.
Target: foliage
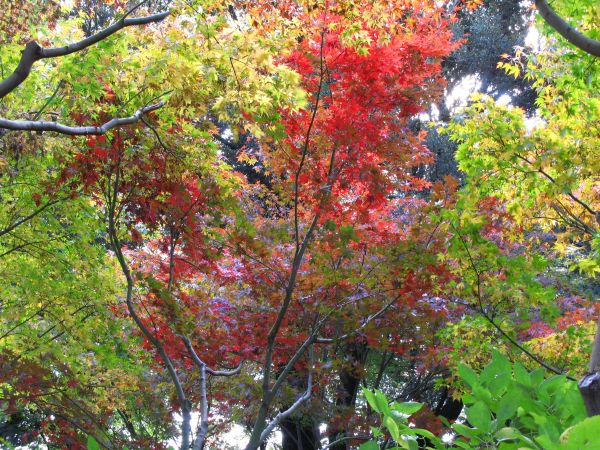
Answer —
(540, 175)
(394, 417)
(205, 255)
(255, 229)
(511, 407)
(506, 407)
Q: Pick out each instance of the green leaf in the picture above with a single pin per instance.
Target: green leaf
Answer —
(412, 444)
(507, 434)
(465, 445)
(371, 399)
(467, 375)
(584, 435)
(382, 402)
(479, 416)
(522, 375)
(466, 431)
(425, 433)
(407, 408)
(497, 374)
(376, 432)
(537, 376)
(507, 407)
(369, 445)
(392, 427)
(92, 444)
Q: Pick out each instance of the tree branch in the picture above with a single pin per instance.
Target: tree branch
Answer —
(34, 52)
(347, 438)
(368, 320)
(204, 369)
(33, 125)
(185, 404)
(491, 320)
(21, 221)
(576, 38)
(200, 363)
(288, 412)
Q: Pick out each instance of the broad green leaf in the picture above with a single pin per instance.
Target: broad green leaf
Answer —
(479, 416)
(369, 445)
(371, 399)
(466, 431)
(382, 402)
(406, 408)
(522, 375)
(392, 427)
(467, 375)
(92, 444)
(507, 407)
(507, 434)
(584, 435)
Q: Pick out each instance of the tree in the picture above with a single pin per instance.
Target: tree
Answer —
(493, 29)
(554, 163)
(258, 283)
(171, 193)
(189, 248)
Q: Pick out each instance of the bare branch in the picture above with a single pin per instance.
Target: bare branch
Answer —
(307, 143)
(347, 438)
(32, 125)
(34, 52)
(203, 427)
(185, 404)
(16, 248)
(52, 97)
(200, 363)
(576, 38)
(158, 138)
(288, 412)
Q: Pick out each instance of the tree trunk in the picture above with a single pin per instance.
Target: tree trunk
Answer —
(350, 377)
(299, 431)
(589, 386)
(448, 407)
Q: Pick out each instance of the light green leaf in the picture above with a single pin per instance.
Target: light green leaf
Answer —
(479, 416)
(407, 408)
(92, 444)
(392, 427)
(369, 445)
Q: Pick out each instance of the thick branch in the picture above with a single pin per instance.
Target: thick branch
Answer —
(34, 125)
(288, 412)
(576, 38)
(259, 430)
(34, 52)
(204, 369)
(595, 359)
(185, 404)
(200, 363)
